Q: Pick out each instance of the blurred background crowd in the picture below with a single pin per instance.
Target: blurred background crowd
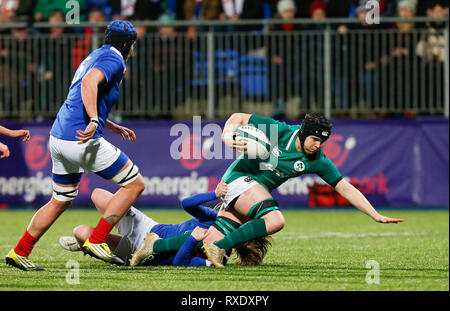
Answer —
(24, 64)
(152, 10)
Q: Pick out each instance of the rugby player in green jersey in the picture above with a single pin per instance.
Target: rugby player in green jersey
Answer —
(296, 151)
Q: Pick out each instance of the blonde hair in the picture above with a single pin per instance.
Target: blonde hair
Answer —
(252, 253)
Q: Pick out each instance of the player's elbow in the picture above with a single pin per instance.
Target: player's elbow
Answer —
(187, 205)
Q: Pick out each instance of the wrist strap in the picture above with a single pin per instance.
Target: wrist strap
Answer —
(95, 121)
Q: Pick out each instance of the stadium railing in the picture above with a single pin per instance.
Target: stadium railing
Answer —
(351, 71)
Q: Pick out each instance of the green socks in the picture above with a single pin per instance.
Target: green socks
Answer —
(249, 231)
(174, 243)
(171, 244)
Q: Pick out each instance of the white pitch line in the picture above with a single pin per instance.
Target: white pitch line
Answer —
(349, 235)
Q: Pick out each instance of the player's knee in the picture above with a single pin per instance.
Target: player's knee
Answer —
(100, 198)
(274, 221)
(60, 205)
(95, 195)
(81, 233)
(137, 185)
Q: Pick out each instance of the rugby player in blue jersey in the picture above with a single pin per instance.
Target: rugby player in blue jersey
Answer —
(136, 228)
(77, 145)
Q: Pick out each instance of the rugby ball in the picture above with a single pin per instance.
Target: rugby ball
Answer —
(258, 145)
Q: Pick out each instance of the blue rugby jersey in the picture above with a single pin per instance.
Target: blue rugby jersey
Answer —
(204, 217)
(72, 115)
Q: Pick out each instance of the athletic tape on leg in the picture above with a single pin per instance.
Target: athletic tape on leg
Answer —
(262, 208)
(127, 175)
(64, 194)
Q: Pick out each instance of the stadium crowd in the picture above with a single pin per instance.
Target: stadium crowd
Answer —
(51, 69)
(41, 10)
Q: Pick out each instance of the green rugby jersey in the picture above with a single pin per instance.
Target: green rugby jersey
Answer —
(284, 162)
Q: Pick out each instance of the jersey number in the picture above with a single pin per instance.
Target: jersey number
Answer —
(80, 70)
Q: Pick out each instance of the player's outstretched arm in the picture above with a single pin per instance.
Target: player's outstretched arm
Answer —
(193, 206)
(24, 134)
(358, 200)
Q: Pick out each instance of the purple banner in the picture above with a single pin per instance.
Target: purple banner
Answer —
(393, 162)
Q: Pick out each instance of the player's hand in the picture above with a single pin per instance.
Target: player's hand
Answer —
(199, 233)
(221, 189)
(87, 134)
(229, 138)
(124, 132)
(24, 134)
(4, 151)
(387, 220)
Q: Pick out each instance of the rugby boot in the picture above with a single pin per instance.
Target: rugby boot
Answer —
(145, 251)
(23, 263)
(214, 254)
(101, 251)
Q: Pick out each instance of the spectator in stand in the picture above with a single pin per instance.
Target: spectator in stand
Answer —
(421, 7)
(200, 10)
(165, 62)
(6, 10)
(84, 45)
(312, 57)
(318, 10)
(142, 9)
(432, 53)
(167, 31)
(45, 7)
(400, 58)
(18, 71)
(361, 55)
(17, 10)
(241, 10)
(56, 17)
(286, 9)
(383, 6)
(102, 5)
(54, 65)
(281, 52)
(406, 9)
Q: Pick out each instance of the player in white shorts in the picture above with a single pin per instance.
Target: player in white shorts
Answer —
(77, 145)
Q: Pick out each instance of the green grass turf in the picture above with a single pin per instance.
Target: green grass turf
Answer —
(323, 250)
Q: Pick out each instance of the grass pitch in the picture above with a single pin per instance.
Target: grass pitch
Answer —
(321, 250)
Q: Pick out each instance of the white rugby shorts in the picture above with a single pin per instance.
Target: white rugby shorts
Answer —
(236, 188)
(70, 157)
(134, 226)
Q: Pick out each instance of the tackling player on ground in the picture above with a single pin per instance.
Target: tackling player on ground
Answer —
(138, 233)
(250, 181)
(77, 145)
